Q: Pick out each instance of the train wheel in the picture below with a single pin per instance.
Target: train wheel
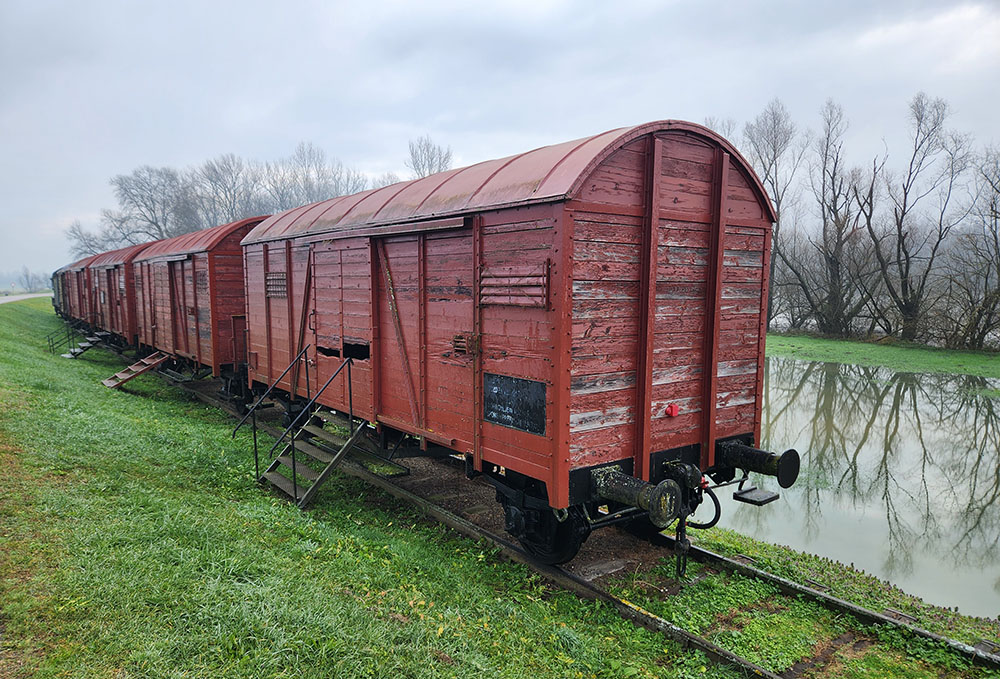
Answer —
(544, 536)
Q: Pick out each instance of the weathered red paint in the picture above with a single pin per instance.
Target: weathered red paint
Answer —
(633, 263)
(77, 290)
(114, 291)
(189, 295)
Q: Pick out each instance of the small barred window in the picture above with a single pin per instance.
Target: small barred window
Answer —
(275, 284)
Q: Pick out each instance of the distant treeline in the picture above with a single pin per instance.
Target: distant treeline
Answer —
(905, 247)
(161, 202)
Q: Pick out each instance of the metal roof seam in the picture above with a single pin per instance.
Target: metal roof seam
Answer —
(576, 148)
(334, 202)
(435, 189)
(403, 187)
(495, 173)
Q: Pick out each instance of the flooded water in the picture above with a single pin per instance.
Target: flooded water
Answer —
(900, 476)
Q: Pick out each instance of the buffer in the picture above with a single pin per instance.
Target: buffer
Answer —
(136, 369)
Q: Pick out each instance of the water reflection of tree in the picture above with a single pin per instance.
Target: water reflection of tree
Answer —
(922, 449)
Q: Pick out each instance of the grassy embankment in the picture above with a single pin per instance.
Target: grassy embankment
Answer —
(133, 542)
(898, 357)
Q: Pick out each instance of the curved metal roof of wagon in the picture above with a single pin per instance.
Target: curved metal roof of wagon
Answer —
(79, 264)
(196, 241)
(546, 174)
(120, 256)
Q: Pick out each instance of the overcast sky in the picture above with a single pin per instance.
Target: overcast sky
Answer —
(93, 89)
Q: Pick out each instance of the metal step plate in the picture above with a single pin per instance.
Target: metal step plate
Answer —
(755, 496)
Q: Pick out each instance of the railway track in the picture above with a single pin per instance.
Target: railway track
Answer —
(440, 491)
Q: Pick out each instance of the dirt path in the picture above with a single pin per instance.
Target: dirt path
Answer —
(16, 298)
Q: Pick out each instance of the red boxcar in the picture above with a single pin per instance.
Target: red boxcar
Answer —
(593, 303)
(60, 295)
(189, 296)
(77, 290)
(114, 297)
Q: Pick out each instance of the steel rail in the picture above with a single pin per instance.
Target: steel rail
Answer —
(834, 603)
(627, 609)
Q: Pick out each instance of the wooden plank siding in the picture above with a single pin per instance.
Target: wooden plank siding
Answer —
(607, 294)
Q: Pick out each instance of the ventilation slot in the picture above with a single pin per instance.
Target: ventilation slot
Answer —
(461, 345)
(275, 284)
(515, 285)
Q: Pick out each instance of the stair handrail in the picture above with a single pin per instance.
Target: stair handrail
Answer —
(60, 336)
(284, 372)
(308, 406)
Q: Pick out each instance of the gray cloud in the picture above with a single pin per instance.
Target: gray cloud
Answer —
(89, 90)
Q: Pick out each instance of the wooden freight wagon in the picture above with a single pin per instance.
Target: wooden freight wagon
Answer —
(597, 304)
(189, 296)
(77, 290)
(60, 295)
(114, 292)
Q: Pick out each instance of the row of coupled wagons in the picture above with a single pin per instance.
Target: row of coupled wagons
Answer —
(582, 323)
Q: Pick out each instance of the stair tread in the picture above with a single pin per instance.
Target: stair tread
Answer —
(84, 345)
(68, 355)
(312, 451)
(93, 340)
(333, 418)
(282, 483)
(300, 467)
(325, 435)
(123, 376)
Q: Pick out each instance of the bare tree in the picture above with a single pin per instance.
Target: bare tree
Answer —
(924, 212)
(154, 203)
(31, 281)
(308, 176)
(385, 179)
(427, 158)
(775, 149)
(227, 189)
(969, 313)
(83, 242)
(726, 127)
(829, 267)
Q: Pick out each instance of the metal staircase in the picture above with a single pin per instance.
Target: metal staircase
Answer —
(309, 451)
(310, 456)
(136, 369)
(74, 352)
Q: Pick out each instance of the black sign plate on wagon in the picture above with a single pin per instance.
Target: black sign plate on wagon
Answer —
(515, 403)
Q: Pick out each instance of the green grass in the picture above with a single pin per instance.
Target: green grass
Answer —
(751, 618)
(847, 583)
(897, 357)
(134, 543)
